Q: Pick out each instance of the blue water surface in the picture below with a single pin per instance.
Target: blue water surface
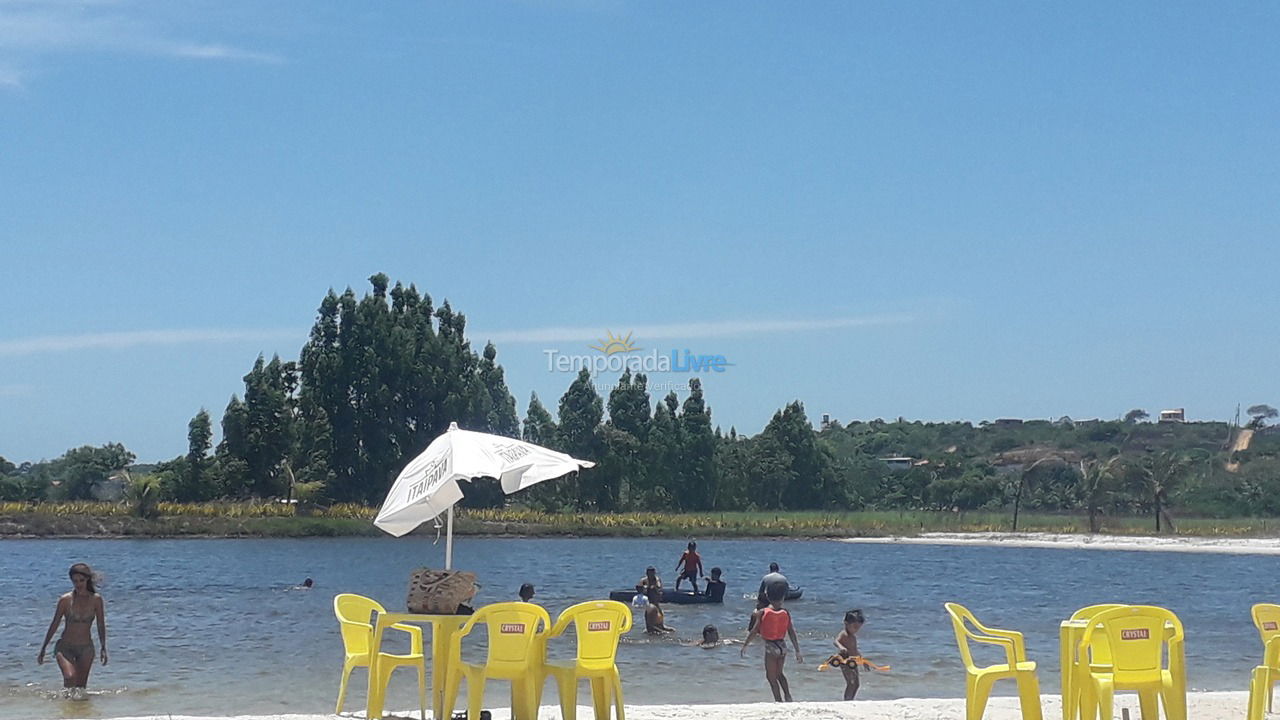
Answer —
(212, 626)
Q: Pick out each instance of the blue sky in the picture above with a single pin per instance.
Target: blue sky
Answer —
(931, 210)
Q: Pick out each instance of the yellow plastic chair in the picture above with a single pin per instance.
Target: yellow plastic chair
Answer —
(515, 654)
(1099, 655)
(598, 625)
(355, 615)
(978, 680)
(1266, 617)
(1137, 637)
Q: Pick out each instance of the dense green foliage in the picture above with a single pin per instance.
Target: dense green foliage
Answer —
(381, 375)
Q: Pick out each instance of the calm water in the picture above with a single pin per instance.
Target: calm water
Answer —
(210, 626)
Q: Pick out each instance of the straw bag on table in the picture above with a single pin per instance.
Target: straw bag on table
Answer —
(440, 592)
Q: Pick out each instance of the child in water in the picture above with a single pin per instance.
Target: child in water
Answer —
(847, 643)
(774, 625)
(715, 586)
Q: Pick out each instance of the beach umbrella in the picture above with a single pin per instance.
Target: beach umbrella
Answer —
(428, 485)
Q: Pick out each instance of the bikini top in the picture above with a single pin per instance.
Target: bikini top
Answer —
(73, 618)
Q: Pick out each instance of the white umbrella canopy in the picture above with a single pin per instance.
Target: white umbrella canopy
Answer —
(428, 485)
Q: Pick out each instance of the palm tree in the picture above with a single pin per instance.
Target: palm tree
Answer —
(1022, 481)
(1097, 481)
(1158, 473)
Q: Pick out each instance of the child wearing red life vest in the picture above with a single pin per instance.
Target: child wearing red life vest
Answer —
(773, 623)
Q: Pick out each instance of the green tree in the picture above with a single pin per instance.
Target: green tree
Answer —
(697, 451)
(193, 482)
(661, 453)
(1135, 415)
(811, 481)
(232, 471)
(497, 407)
(581, 411)
(1261, 413)
(79, 471)
(539, 427)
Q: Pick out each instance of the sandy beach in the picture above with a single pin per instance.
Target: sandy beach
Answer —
(1200, 706)
(1064, 541)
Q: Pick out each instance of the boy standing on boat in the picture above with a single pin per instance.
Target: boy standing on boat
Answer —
(692, 563)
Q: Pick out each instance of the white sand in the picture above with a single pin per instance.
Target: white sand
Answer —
(1063, 541)
(1200, 706)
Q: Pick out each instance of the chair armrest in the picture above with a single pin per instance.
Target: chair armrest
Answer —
(1010, 647)
(1271, 653)
(558, 629)
(415, 636)
(1019, 643)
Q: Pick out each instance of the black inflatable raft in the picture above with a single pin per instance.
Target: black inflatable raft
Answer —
(686, 597)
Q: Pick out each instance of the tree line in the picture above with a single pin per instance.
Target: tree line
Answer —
(383, 374)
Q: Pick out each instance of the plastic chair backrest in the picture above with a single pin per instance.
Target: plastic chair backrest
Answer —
(598, 625)
(513, 631)
(1136, 634)
(1266, 618)
(355, 618)
(1100, 649)
(959, 616)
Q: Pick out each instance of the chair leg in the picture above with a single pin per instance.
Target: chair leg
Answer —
(530, 696)
(475, 695)
(1175, 704)
(422, 690)
(567, 689)
(452, 682)
(1087, 703)
(617, 695)
(1257, 686)
(1149, 702)
(976, 697)
(1106, 696)
(1029, 696)
(600, 698)
(342, 687)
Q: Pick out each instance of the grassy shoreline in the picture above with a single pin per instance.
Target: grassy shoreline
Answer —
(113, 520)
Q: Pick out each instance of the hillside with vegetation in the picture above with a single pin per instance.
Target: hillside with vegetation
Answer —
(382, 375)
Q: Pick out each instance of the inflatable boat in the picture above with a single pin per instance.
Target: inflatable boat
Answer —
(686, 597)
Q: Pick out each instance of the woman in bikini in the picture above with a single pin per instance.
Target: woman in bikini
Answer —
(74, 650)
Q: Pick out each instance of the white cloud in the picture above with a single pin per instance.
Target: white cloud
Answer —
(31, 30)
(48, 344)
(724, 328)
(222, 52)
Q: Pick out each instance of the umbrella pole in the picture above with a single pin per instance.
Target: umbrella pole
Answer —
(448, 541)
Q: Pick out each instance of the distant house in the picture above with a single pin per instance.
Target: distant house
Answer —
(1175, 415)
(111, 489)
(898, 464)
(826, 420)
(1007, 422)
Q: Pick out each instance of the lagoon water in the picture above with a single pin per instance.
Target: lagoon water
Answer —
(211, 627)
